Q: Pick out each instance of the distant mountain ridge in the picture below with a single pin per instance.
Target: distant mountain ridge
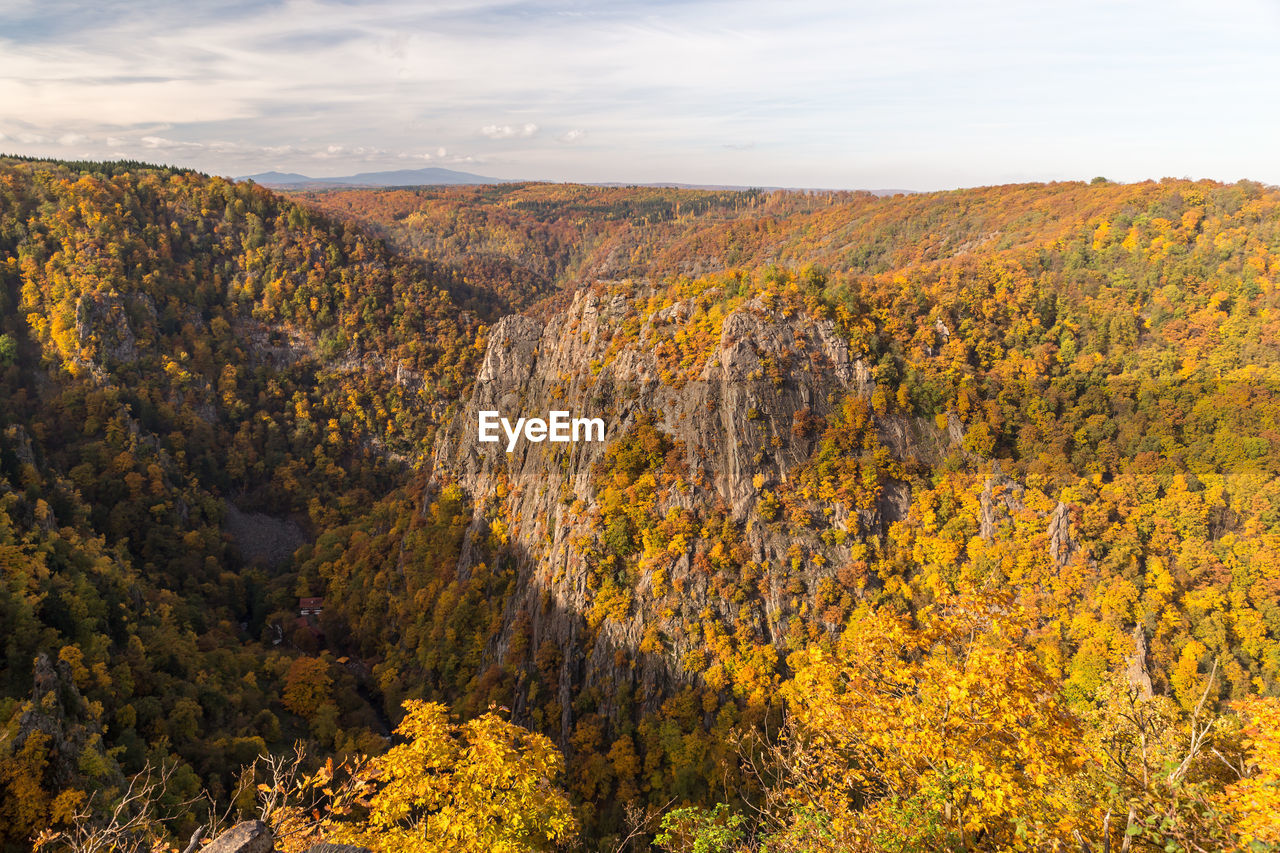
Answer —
(744, 187)
(429, 176)
(436, 176)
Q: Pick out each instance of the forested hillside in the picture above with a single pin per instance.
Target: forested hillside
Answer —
(177, 349)
(941, 521)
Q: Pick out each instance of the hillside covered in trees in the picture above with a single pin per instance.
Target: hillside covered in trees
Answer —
(934, 522)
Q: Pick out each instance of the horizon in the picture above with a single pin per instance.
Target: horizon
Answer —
(621, 184)
(922, 95)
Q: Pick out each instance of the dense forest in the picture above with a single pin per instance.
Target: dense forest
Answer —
(946, 521)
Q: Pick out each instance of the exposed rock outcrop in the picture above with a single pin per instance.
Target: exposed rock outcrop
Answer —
(1137, 673)
(1062, 547)
(18, 440)
(72, 731)
(252, 836)
(1001, 498)
(262, 539)
(735, 413)
(102, 324)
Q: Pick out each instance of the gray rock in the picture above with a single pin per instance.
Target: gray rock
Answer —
(736, 420)
(19, 440)
(58, 711)
(252, 836)
(1062, 547)
(262, 539)
(1000, 500)
(1139, 677)
(895, 501)
(102, 322)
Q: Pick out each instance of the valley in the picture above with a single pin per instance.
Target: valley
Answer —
(943, 520)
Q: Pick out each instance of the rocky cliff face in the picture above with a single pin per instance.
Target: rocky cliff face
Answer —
(738, 415)
(69, 729)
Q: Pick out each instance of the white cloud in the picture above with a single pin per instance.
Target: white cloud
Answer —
(358, 152)
(50, 100)
(159, 142)
(832, 92)
(149, 145)
(506, 131)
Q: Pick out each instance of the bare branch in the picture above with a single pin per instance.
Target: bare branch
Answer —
(1199, 731)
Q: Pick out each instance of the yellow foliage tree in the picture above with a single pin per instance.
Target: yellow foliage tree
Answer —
(308, 686)
(934, 734)
(1254, 801)
(484, 785)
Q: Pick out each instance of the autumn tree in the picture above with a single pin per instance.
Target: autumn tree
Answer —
(483, 785)
(1254, 801)
(938, 732)
(308, 686)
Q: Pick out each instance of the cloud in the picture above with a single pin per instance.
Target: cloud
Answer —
(506, 131)
(837, 92)
(159, 142)
(359, 152)
(148, 145)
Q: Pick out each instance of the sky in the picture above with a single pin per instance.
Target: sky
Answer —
(901, 94)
